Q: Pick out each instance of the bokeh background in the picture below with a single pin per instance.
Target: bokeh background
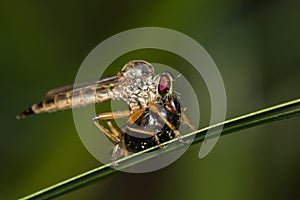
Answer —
(255, 44)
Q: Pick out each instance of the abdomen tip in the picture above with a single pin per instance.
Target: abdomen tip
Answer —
(24, 114)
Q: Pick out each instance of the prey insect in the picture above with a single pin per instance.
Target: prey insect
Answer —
(154, 114)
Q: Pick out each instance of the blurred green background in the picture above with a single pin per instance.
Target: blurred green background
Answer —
(255, 44)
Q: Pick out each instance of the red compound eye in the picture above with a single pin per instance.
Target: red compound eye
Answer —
(163, 83)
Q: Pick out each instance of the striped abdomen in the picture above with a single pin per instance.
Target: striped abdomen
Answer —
(72, 99)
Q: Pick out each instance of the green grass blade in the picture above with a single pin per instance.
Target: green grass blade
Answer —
(271, 114)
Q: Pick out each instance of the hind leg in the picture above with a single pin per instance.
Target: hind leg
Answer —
(112, 133)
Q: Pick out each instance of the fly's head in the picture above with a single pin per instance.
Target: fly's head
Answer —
(165, 85)
(167, 95)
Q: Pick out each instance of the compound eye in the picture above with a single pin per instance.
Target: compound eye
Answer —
(165, 84)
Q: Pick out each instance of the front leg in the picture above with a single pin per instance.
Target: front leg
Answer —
(113, 134)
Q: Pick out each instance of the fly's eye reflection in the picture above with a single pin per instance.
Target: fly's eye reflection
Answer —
(155, 112)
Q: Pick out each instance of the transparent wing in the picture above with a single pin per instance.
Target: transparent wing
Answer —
(87, 84)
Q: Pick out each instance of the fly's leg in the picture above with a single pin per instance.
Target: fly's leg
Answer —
(114, 138)
(154, 108)
(186, 121)
(147, 132)
(113, 129)
(113, 134)
(115, 154)
(135, 116)
(117, 146)
(112, 115)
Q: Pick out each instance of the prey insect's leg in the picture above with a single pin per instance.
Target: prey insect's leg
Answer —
(154, 108)
(186, 121)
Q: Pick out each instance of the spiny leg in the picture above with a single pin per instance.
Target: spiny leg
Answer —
(147, 132)
(154, 108)
(135, 116)
(112, 115)
(115, 154)
(116, 149)
(112, 128)
(108, 116)
(113, 134)
(185, 120)
(123, 145)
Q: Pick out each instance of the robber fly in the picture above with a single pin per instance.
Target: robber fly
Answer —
(155, 111)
